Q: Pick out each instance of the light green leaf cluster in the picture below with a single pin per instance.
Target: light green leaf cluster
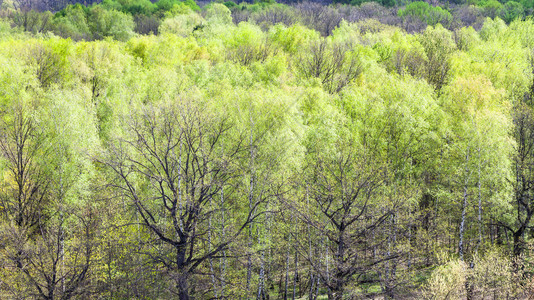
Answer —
(182, 24)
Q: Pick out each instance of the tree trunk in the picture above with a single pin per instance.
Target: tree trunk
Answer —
(183, 290)
(261, 279)
(518, 243)
(479, 185)
(212, 271)
(312, 282)
(295, 276)
(250, 204)
(462, 225)
(287, 272)
(223, 258)
(183, 276)
(338, 279)
(464, 211)
(310, 296)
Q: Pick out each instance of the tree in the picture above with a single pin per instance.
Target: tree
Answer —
(218, 14)
(511, 10)
(438, 45)
(112, 23)
(72, 22)
(335, 65)
(23, 5)
(477, 114)
(49, 59)
(175, 159)
(524, 177)
(322, 18)
(183, 24)
(343, 203)
(427, 13)
(47, 241)
(399, 122)
(53, 263)
(32, 21)
(344, 187)
(21, 145)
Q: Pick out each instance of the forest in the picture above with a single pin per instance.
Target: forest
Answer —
(298, 150)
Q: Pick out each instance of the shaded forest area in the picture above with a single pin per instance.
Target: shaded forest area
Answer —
(266, 151)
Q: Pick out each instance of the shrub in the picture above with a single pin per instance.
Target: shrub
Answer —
(491, 275)
(447, 281)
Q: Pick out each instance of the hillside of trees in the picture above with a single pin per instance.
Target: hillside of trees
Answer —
(266, 151)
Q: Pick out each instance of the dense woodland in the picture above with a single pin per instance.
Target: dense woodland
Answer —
(266, 151)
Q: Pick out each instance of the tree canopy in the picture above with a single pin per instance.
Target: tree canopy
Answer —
(158, 150)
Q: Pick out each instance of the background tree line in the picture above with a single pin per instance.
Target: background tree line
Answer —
(226, 159)
(121, 19)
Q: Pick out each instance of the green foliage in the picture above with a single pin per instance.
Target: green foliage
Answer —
(491, 7)
(182, 24)
(511, 10)
(431, 15)
(72, 22)
(166, 50)
(230, 4)
(17, 82)
(175, 7)
(112, 5)
(527, 4)
(218, 14)
(466, 38)
(438, 46)
(110, 23)
(5, 29)
(385, 3)
(133, 7)
(166, 4)
(292, 38)
(97, 22)
(492, 28)
(192, 4)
